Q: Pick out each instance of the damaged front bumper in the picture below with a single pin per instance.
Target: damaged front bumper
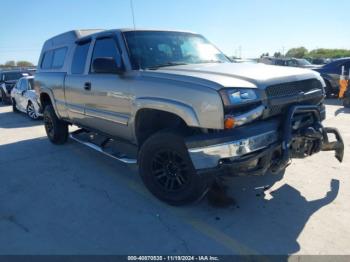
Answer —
(258, 147)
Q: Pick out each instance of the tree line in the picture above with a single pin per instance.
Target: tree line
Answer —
(302, 52)
(13, 64)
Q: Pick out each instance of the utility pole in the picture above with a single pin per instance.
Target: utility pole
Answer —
(240, 52)
(283, 51)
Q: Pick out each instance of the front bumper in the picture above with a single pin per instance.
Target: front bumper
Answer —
(255, 148)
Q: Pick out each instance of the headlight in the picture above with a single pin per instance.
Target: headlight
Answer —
(238, 96)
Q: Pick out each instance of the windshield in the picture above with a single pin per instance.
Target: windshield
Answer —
(154, 49)
(303, 62)
(12, 76)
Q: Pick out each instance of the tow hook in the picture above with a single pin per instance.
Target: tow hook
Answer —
(337, 146)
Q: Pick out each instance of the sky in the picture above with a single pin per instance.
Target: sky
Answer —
(246, 27)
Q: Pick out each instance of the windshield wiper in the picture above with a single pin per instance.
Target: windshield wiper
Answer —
(166, 64)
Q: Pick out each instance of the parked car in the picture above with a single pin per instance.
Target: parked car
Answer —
(320, 61)
(8, 80)
(292, 62)
(331, 74)
(189, 112)
(24, 98)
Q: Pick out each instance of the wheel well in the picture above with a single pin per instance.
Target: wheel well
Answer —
(45, 100)
(150, 121)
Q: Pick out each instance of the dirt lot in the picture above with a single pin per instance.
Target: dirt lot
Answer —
(71, 200)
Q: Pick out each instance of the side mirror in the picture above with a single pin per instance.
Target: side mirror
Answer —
(107, 65)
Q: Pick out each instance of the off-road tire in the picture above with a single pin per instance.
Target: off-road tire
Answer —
(164, 157)
(56, 129)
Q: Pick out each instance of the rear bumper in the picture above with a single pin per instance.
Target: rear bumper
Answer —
(255, 148)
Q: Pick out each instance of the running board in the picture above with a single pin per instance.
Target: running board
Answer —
(116, 156)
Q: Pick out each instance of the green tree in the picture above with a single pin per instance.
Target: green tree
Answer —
(277, 54)
(298, 52)
(24, 64)
(10, 64)
(329, 53)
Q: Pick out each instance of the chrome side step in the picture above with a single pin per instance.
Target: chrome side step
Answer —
(119, 157)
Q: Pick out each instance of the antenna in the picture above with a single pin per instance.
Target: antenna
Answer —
(133, 13)
(133, 21)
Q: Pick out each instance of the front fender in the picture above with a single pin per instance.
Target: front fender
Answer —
(185, 112)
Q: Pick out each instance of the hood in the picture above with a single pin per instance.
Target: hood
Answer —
(238, 75)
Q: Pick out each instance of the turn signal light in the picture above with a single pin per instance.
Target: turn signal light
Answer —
(229, 123)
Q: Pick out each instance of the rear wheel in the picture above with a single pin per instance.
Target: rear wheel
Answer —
(31, 112)
(167, 170)
(329, 89)
(56, 129)
(14, 106)
(3, 97)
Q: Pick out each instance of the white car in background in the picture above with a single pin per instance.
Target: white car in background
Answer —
(24, 98)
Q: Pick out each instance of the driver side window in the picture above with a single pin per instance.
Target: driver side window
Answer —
(104, 48)
(23, 86)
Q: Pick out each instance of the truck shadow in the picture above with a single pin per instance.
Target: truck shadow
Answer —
(270, 221)
(17, 120)
(100, 194)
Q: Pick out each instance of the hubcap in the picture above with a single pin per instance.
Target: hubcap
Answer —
(31, 111)
(170, 170)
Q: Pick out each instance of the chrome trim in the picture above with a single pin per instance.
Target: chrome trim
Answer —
(249, 116)
(99, 149)
(209, 157)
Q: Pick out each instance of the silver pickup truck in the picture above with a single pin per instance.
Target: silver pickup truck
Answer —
(188, 111)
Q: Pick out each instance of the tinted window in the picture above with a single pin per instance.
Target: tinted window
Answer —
(47, 60)
(12, 76)
(79, 58)
(105, 48)
(23, 85)
(155, 49)
(58, 57)
(347, 66)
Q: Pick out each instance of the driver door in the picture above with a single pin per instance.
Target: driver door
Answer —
(108, 102)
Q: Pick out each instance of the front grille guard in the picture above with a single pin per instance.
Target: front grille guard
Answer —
(321, 134)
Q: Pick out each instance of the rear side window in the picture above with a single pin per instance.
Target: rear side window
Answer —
(54, 58)
(47, 60)
(105, 47)
(58, 57)
(79, 58)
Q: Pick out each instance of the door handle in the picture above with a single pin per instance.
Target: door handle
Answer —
(87, 86)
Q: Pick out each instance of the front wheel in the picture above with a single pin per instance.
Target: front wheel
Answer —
(167, 170)
(14, 106)
(346, 102)
(31, 112)
(56, 129)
